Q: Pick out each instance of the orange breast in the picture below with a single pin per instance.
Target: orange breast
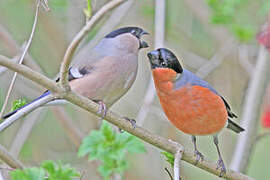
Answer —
(194, 110)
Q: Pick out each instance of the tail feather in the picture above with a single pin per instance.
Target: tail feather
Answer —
(13, 112)
(235, 127)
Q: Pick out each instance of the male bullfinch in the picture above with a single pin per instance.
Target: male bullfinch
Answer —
(190, 103)
(106, 72)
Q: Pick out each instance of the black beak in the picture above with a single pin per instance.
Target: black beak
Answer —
(153, 59)
(144, 33)
(143, 44)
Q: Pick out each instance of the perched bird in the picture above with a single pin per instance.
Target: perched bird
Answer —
(190, 103)
(106, 72)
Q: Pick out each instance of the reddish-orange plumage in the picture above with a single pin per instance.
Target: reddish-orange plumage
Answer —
(194, 110)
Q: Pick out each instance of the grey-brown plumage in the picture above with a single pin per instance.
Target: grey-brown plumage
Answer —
(106, 72)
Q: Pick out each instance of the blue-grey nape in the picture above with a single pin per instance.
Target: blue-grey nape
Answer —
(192, 79)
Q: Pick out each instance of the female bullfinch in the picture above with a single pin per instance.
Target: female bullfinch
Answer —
(106, 72)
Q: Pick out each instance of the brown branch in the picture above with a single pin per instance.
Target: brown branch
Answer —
(78, 38)
(26, 110)
(115, 119)
(9, 159)
(14, 48)
(30, 74)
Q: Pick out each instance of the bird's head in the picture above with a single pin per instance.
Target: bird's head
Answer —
(164, 58)
(128, 37)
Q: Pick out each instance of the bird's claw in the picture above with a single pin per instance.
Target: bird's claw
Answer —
(132, 122)
(102, 109)
(221, 166)
(199, 156)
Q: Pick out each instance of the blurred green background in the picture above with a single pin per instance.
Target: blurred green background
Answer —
(198, 31)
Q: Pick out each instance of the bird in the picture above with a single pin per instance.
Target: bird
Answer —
(107, 71)
(191, 104)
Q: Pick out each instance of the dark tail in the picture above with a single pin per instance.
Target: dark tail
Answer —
(13, 112)
(235, 127)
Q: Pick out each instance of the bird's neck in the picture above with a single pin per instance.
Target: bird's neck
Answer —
(164, 78)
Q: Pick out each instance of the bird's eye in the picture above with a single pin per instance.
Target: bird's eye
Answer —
(133, 32)
(163, 63)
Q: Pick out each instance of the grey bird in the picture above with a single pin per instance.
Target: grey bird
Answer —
(106, 72)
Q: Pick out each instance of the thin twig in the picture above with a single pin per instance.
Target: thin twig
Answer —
(78, 38)
(160, 14)
(29, 73)
(114, 19)
(166, 169)
(26, 110)
(251, 111)
(115, 119)
(9, 159)
(21, 59)
(176, 165)
(13, 47)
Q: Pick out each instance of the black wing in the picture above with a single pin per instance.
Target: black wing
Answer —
(232, 125)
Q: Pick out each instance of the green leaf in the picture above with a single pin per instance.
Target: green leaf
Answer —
(28, 174)
(110, 148)
(88, 11)
(18, 103)
(243, 33)
(169, 157)
(59, 171)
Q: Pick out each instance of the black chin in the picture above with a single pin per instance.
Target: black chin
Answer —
(143, 44)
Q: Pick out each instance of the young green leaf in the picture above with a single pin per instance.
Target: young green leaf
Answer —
(170, 157)
(18, 103)
(111, 148)
(88, 11)
(48, 171)
(57, 171)
(28, 174)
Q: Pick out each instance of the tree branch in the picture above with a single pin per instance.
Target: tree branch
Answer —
(9, 159)
(26, 110)
(115, 119)
(78, 38)
(176, 164)
(30, 74)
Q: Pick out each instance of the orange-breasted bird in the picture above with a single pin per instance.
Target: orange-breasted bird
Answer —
(190, 103)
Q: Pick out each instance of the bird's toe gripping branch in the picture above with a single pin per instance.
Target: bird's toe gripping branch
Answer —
(199, 156)
(102, 109)
(221, 166)
(132, 122)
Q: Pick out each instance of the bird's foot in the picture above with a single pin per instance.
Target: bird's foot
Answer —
(102, 109)
(199, 156)
(132, 122)
(221, 166)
